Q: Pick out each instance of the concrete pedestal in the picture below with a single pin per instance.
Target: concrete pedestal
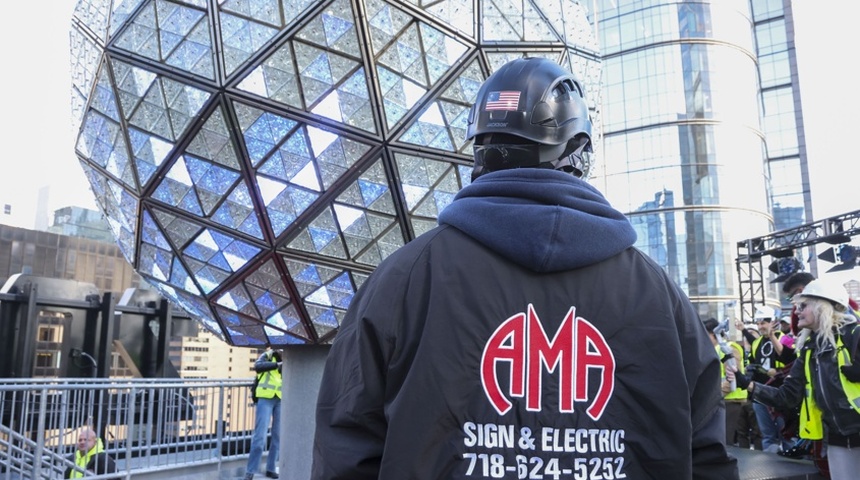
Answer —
(302, 372)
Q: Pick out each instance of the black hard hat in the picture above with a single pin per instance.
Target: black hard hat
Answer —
(530, 113)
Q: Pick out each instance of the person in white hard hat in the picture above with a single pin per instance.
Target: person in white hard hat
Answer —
(825, 379)
(767, 358)
(787, 337)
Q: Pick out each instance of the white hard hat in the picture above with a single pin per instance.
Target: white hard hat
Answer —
(764, 312)
(828, 291)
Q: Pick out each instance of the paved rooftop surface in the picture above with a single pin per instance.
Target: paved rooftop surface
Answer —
(758, 465)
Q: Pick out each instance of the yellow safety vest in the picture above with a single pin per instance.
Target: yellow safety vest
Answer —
(81, 460)
(738, 393)
(269, 383)
(811, 425)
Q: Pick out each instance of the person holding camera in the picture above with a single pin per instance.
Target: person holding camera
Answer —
(268, 400)
(734, 397)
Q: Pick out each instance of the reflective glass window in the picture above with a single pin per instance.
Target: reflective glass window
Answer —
(697, 247)
(607, 8)
(764, 9)
(699, 164)
(788, 211)
(788, 197)
(633, 28)
(668, 84)
(780, 125)
(771, 37)
(774, 69)
(785, 176)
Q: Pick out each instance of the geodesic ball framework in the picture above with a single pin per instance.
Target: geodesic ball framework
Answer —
(257, 159)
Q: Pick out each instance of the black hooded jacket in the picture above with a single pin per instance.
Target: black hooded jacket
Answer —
(522, 338)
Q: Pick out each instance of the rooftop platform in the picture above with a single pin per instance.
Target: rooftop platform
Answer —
(758, 465)
(753, 465)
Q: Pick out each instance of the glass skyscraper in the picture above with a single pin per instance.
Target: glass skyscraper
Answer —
(702, 129)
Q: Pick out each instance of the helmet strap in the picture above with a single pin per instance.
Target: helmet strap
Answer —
(494, 157)
(573, 162)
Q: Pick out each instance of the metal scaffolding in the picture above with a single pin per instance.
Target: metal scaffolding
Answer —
(751, 252)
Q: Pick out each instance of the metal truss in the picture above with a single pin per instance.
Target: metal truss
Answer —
(751, 252)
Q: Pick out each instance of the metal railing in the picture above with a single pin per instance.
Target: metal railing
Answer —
(144, 424)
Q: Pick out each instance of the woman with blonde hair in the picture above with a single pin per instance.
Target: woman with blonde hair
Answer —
(825, 378)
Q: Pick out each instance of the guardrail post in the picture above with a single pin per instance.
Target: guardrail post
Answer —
(40, 434)
(219, 426)
(129, 421)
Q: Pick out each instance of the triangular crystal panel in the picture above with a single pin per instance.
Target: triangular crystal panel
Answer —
(261, 130)
(321, 236)
(275, 78)
(149, 152)
(213, 142)
(241, 38)
(459, 14)
(385, 22)
(502, 21)
(101, 140)
(238, 213)
(263, 11)
(119, 207)
(333, 29)
(178, 230)
(103, 99)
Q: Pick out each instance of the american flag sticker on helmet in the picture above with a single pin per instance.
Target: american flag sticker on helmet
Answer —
(504, 100)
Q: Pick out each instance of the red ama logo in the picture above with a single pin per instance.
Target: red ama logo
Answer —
(577, 351)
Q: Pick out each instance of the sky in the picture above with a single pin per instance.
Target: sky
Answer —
(38, 143)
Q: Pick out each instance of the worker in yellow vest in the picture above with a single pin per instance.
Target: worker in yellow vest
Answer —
(90, 456)
(733, 396)
(268, 399)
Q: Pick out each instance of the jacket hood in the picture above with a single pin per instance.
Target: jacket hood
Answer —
(542, 219)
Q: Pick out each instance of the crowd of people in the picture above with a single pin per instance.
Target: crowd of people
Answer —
(790, 382)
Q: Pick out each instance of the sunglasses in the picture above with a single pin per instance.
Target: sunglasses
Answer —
(800, 307)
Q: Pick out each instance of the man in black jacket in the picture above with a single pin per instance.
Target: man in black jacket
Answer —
(524, 335)
(89, 456)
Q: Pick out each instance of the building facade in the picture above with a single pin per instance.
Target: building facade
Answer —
(60, 256)
(703, 133)
(207, 356)
(102, 264)
(81, 222)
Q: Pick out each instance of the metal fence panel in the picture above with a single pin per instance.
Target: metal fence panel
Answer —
(144, 424)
